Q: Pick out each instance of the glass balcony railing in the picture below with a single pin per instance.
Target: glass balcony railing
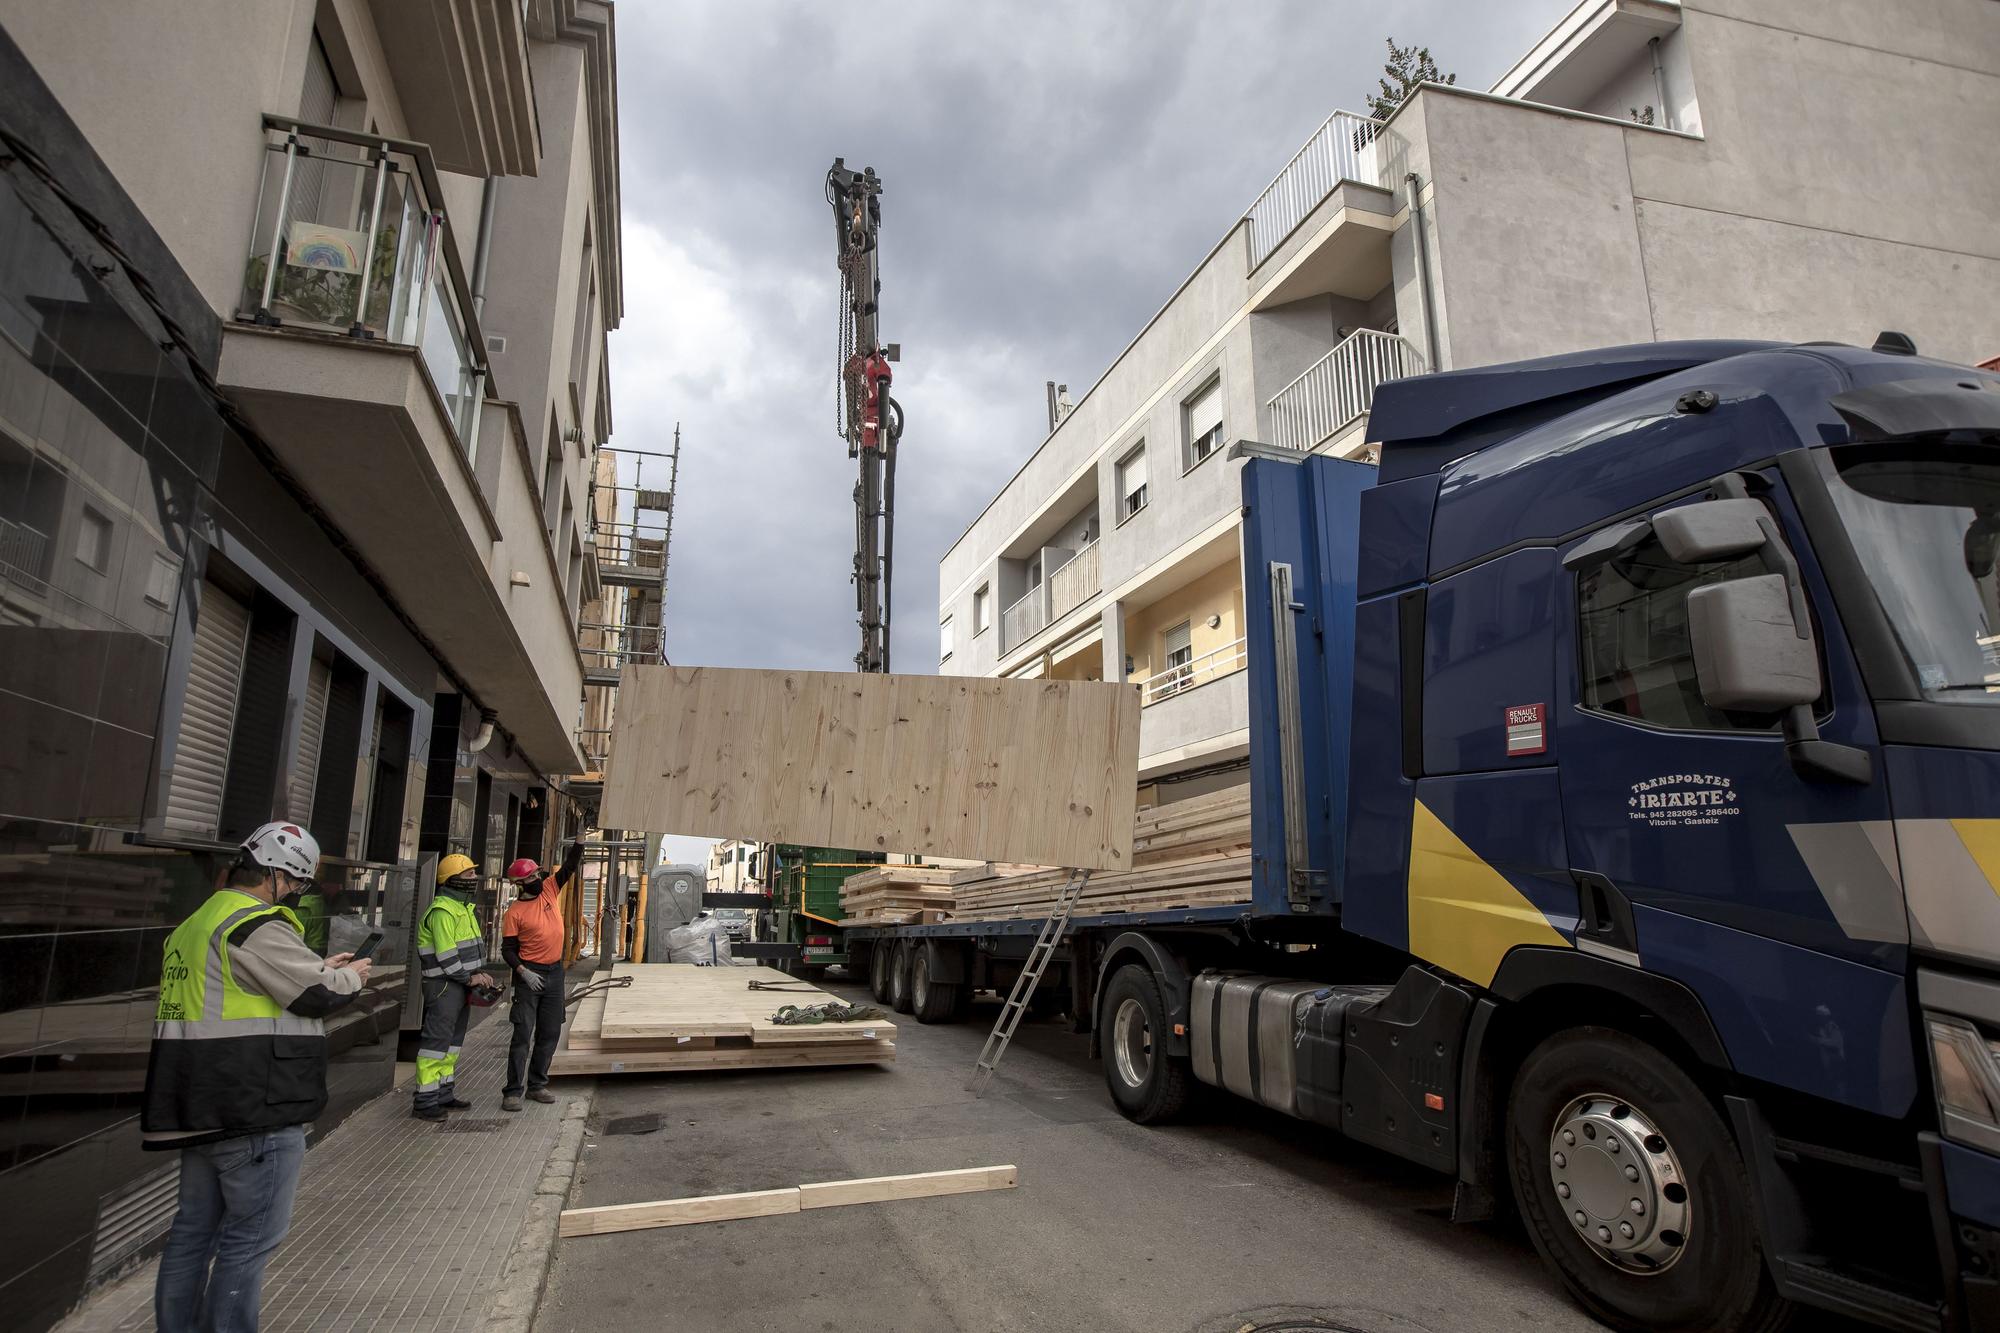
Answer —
(350, 237)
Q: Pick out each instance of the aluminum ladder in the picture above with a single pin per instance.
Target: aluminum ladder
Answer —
(1024, 985)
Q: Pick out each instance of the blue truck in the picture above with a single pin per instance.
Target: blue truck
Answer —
(1625, 785)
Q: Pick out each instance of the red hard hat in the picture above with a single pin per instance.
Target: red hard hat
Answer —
(523, 868)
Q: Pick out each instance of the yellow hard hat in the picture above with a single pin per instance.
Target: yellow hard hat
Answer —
(455, 865)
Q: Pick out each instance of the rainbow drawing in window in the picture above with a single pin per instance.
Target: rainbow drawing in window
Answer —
(329, 248)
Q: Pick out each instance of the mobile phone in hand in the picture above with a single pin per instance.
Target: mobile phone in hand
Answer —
(367, 946)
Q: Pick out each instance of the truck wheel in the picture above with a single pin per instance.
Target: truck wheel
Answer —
(1148, 1084)
(1633, 1189)
(899, 977)
(931, 1001)
(879, 959)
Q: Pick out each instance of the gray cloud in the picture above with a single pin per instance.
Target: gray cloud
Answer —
(1053, 172)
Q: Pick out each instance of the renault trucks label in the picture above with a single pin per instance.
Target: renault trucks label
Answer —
(1527, 729)
(1682, 800)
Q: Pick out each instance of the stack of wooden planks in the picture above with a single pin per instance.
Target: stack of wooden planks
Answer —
(678, 1016)
(1192, 853)
(897, 896)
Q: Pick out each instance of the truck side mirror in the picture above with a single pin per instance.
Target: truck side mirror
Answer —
(1749, 655)
(1699, 534)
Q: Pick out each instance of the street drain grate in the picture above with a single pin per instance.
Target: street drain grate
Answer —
(468, 1126)
(634, 1124)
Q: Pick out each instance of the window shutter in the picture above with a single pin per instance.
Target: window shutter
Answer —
(1133, 473)
(208, 713)
(1205, 412)
(1179, 644)
(312, 729)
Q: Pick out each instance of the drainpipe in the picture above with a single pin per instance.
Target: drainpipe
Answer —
(1416, 184)
(484, 736)
(483, 252)
(1660, 85)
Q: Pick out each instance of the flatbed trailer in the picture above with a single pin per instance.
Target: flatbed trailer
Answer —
(1625, 825)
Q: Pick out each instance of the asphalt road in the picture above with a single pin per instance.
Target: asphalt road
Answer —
(1236, 1216)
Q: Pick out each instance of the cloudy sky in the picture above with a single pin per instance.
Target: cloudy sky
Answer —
(1052, 172)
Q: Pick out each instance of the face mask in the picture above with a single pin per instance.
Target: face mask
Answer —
(462, 892)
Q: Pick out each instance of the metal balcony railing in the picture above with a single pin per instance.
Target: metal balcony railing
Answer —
(1344, 148)
(23, 552)
(608, 645)
(1339, 387)
(1025, 618)
(1073, 583)
(1211, 665)
(350, 236)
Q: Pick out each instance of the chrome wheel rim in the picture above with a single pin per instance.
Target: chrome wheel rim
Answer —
(1132, 1043)
(1620, 1184)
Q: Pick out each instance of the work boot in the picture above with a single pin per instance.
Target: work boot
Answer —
(456, 1104)
(428, 1112)
(511, 1102)
(542, 1095)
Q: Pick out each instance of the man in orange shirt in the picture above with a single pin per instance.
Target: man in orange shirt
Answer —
(532, 944)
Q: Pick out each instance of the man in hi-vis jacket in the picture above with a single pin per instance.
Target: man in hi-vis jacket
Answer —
(237, 1068)
(451, 953)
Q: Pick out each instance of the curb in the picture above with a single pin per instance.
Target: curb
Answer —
(519, 1292)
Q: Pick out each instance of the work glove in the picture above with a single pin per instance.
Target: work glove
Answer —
(532, 979)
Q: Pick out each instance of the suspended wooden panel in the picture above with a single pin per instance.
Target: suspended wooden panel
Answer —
(1042, 771)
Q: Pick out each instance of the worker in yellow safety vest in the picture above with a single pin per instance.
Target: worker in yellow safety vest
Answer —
(452, 956)
(237, 1068)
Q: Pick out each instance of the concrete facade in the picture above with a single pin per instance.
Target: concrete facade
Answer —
(1649, 170)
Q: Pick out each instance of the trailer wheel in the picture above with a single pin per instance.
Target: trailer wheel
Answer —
(880, 958)
(899, 977)
(931, 1001)
(1633, 1189)
(1147, 1084)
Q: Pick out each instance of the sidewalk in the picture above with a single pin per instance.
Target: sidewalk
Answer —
(401, 1224)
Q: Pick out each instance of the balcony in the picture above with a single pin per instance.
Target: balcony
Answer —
(462, 74)
(1025, 618)
(355, 361)
(608, 647)
(1211, 665)
(1073, 583)
(1067, 587)
(1336, 390)
(1345, 148)
(1200, 722)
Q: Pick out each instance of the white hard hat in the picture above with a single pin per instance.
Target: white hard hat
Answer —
(286, 847)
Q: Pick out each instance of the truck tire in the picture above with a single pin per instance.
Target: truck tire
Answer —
(899, 977)
(1147, 1084)
(880, 958)
(931, 1001)
(1633, 1190)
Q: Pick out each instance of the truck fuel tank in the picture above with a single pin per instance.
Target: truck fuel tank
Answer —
(1274, 1040)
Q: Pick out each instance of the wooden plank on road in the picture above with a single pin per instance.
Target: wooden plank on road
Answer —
(928, 1184)
(1041, 772)
(678, 1212)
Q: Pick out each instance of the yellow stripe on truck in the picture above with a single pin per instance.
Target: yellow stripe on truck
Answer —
(1982, 838)
(1464, 915)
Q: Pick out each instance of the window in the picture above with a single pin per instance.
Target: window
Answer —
(93, 540)
(160, 581)
(1633, 630)
(1202, 416)
(944, 640)
(982, 609)
(1178, 643)
(1035, 573)
(1132, 483)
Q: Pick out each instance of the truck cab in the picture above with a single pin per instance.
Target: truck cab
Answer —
(1626, 808)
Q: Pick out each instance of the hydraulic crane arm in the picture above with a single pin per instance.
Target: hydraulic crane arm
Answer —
(870, 420)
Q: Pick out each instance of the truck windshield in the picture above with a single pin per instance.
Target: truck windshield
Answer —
(1926, 525)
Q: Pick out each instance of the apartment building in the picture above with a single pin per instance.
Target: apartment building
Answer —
(1649, 170)
(729, 867)
(303, 319)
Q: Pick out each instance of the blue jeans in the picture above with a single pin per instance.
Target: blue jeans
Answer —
(235, 1206)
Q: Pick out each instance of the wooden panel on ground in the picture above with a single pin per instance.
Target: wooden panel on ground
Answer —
(678, 1212)
(667, 1060)
(928, 1184)
(1035, 771)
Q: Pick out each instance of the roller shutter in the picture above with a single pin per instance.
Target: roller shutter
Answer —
(312, 731)
(208, 713)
